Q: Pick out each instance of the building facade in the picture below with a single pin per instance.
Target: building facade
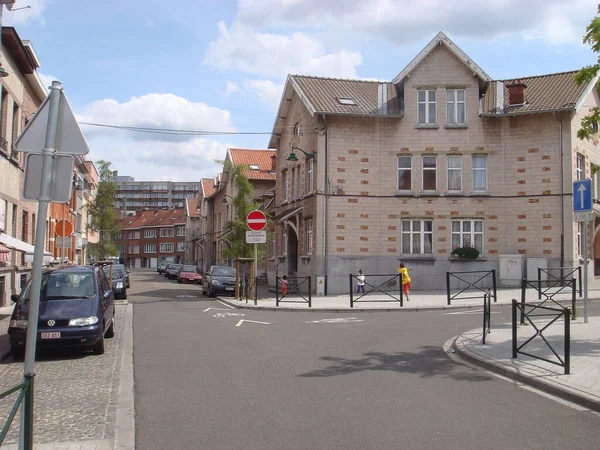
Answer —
(441, 157)
(135, 196)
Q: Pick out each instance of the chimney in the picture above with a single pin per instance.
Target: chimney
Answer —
(382, 99)
(273, 164)
(138, 213)
(516, 93)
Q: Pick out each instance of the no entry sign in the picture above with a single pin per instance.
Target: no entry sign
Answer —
(256, 220)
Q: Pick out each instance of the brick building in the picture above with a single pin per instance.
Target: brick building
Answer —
(151, 237)
(442, 156)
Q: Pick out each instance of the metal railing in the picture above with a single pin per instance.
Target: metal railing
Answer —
(565, 361)
(248, 288)
(393, 280)
(565, 274)
(487, 315)
(475, 290)
(25, 398)
(559, 286)
(294, 285)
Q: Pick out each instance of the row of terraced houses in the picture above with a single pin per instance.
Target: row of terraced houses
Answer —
(366, 174)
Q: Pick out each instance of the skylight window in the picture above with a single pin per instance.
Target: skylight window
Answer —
(346, 101)
(254, 167)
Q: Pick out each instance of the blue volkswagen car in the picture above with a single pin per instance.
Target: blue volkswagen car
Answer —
(76, 310)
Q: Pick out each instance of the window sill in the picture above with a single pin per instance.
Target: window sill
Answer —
(427, 126)
(456, 125)
(405, 194)
(478, 194)
(282, 256)
(429, 194)
(415, 257)
(305, 257)
(455, 258)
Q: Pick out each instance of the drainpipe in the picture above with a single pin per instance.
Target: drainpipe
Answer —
(326, 206)
(562, 191)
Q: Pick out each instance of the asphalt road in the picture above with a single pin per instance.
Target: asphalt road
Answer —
(378, 381)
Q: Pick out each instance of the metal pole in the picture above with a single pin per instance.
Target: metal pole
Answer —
(255, 265)
(494, 284)
(351, 291)
(539, 282)
(585, 273)
(447, 287)
(514, 328)
(38, 255)
(567, 342)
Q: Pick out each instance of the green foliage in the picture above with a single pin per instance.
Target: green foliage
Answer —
(586, 75)
(103, 215)
(465, 252)
(242, 204)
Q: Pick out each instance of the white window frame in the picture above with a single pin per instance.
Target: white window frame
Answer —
(480, 169)
(181, 246)
(180, 231)
(428, 169)
(461, 237)
(167, 247)
(309, 236)
(150, 234)
(426, 103)
(407, 231)
(453, 106)
(149, 248)
(167, 232)
(134, 249)
(310, 167)
(284, 185)
(294, 192)
(454, 170)
(580, 168)
(399, 169)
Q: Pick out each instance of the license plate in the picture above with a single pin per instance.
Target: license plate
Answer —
(51, 335)
(229, 289)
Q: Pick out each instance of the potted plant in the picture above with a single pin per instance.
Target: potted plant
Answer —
(465, 252)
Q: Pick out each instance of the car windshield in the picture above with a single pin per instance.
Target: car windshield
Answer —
(116, 272)
(188, 269)
(175, 266)
(64, 286)
(224, 271)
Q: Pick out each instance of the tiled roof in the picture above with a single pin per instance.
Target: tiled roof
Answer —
(208, 187)
(154, 218)
(323, 93)
(250, 158)
(554, 92)
(191, 204)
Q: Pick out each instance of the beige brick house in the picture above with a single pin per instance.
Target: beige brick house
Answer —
(442, 156)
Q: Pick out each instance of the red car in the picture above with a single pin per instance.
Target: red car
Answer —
(189, 274)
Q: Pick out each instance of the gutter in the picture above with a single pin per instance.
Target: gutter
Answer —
(562, 191)
(326, 206)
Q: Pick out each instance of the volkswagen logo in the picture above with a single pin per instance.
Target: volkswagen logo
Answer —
(51, 322)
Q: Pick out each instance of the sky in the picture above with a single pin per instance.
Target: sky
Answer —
(216, 68)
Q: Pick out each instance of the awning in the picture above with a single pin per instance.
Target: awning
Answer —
(20, 246)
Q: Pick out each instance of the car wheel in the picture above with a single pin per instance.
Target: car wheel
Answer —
(110, 333)
(211, 294)
(18, 353)
(98, 347)
(124, 297)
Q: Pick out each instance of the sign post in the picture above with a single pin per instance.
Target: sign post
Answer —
(52, 130)
(256, 221)
(582, 212)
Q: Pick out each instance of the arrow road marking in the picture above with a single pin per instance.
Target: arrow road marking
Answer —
(338, 320)
(239, 324)
(581, 191)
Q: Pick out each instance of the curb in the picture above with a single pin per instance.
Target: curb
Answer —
(543, 386)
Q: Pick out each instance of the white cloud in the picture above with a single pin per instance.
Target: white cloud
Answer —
(231, 88)
(23, 16)
(268, 93)
(276, 55)
(47, 79)
(556, 21)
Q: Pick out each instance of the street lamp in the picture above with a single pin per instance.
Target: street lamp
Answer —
(224, 201)
(292, 156)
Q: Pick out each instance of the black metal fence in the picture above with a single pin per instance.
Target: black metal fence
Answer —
(531, 315)
(248, 288)
(25, 398)
(487, 315)
(295, 285)
(564, 273)
(471, 284)
(385, 288)
(550, 291)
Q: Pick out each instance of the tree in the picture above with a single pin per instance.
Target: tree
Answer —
(103, 215)
(242, 205)
(586, 75)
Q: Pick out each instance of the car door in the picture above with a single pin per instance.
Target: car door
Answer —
(107, 302)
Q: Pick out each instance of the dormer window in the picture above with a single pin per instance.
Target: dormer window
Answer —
(346, 101)
(254, 167)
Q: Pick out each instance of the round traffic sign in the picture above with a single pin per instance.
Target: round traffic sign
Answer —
(256, 220)
(64, 228)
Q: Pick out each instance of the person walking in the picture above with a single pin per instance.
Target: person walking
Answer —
(360, 284)
(284, 285)
(403, 271)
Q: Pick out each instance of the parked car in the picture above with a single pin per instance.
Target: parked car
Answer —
(160, 268)
(219, 280)
(167, 267)
(118, 280)
(126, 272)
(189, 274)
(172, 271)
(76, 309)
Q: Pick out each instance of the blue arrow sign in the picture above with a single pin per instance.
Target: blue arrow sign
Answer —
(582, 195)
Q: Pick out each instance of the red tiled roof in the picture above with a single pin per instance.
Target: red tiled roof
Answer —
(208, 187)
(251, 158)
(154, 218)
(191, 207)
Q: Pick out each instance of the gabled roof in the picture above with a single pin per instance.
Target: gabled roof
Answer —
(258, 162)
(544, 93)
(208, 187)
(190, 206)
(441, 39)
(154, 218)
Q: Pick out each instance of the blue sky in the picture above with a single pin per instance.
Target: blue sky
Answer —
(219, 65)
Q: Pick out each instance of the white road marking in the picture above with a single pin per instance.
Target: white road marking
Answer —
(470, 311)
(228, 314)
(218, 309)
(338, 320)
(225, 304)
(252, 321)
(187, 296)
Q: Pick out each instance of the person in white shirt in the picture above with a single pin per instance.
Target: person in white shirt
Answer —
(360, 285)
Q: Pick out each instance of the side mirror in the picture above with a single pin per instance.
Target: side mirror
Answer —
(107, 294)
(15, 298)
